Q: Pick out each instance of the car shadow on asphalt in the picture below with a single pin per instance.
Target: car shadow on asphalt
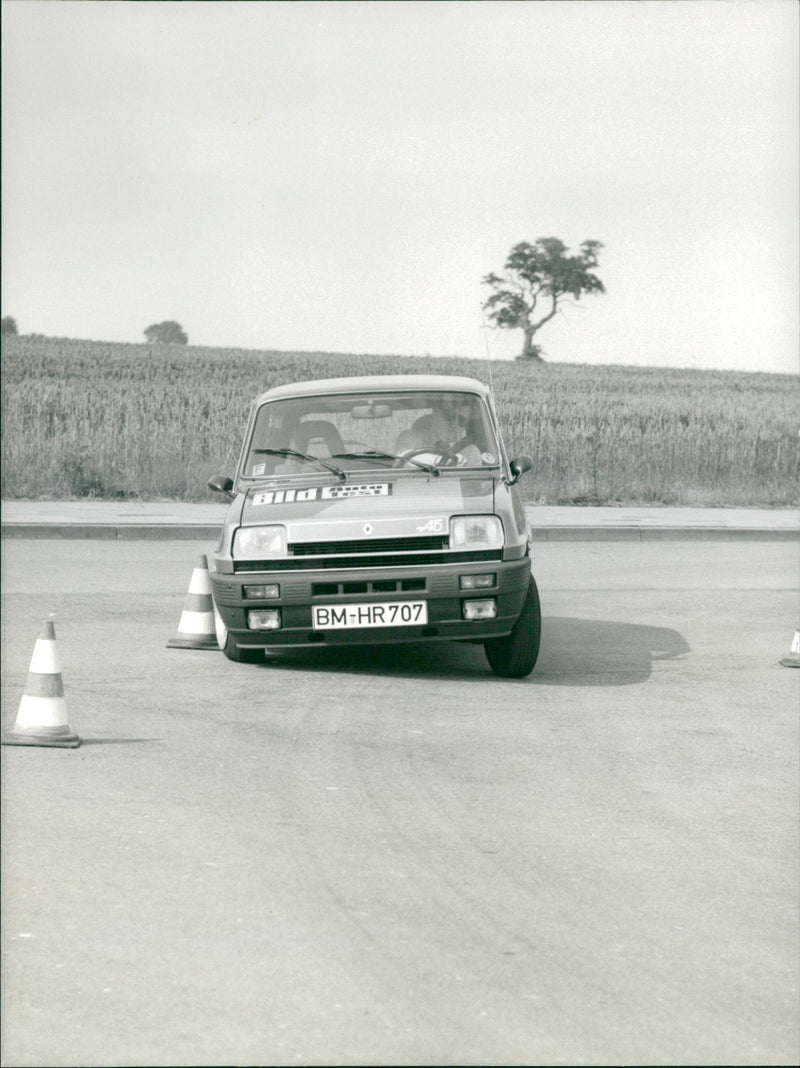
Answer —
(117, 741)
(574, 652)
(594, 652)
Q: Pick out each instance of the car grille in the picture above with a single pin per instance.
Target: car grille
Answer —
(345, 562)
(378, 545)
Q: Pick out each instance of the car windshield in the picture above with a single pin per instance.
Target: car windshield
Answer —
(342, 433)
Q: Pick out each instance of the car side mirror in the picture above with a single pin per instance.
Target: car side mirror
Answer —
(221, 484)
(518, 468)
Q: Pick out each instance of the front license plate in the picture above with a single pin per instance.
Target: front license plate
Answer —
(377, 614)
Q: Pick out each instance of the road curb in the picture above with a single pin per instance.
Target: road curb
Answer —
(112, 532)
(205, 531)
(661, 534)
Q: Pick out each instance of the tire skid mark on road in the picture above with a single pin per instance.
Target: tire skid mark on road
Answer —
(386, 905)
(436, 929)
(609, 948)
(522, 921)
(512, 898)
(359, 948)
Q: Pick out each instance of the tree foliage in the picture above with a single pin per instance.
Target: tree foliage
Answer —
(537, 279)
(8, 325)
(167, 333)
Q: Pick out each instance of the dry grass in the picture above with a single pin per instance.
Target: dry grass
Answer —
(83, 419)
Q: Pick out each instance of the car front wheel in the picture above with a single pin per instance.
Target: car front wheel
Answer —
(230, 648)
(514, 656)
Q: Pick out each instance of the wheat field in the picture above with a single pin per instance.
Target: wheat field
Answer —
(111, 420)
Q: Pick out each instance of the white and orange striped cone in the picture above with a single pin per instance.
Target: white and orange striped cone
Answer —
(196, 629)
(42, 715)
(793, 659)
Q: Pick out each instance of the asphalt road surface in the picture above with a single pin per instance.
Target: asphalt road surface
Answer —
(394, 857)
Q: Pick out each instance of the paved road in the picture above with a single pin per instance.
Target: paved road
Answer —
(394, 857)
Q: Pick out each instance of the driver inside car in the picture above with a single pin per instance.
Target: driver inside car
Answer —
(446, 433)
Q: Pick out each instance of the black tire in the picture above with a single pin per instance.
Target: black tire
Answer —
(240, 655)
(229, 646)
(514, 656)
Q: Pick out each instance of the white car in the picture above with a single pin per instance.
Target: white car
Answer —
(373, 510)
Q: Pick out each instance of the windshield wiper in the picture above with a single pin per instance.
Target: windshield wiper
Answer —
(373, 454)
(302, 456)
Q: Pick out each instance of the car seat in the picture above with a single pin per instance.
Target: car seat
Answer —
(418, 436)
(318, 437)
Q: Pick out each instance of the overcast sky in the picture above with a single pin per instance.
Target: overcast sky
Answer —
(340, 176)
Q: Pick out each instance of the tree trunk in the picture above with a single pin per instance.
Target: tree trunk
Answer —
(528, 351)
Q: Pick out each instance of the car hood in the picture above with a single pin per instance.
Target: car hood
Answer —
(367, 507)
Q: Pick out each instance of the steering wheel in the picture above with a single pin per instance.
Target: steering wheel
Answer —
(457, 446)
(439, 448)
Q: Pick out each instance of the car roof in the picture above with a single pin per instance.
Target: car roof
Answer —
(375, 384)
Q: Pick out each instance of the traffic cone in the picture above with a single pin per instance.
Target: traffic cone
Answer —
(196, 629)
(42, 715)
(793, 659)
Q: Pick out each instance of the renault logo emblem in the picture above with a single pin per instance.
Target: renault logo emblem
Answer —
(367, 528)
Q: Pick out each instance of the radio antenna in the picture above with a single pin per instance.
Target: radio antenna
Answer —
(488, 353)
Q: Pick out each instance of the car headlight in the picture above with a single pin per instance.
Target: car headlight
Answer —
(260, 542)
(476, 532)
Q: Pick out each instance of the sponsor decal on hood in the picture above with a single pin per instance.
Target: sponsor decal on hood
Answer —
(390, 508)
(321, 493)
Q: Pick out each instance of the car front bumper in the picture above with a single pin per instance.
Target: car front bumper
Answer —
(439, 587)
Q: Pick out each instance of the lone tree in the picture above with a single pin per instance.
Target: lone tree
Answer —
(168, 333)
(8, 325)
(537, 279)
